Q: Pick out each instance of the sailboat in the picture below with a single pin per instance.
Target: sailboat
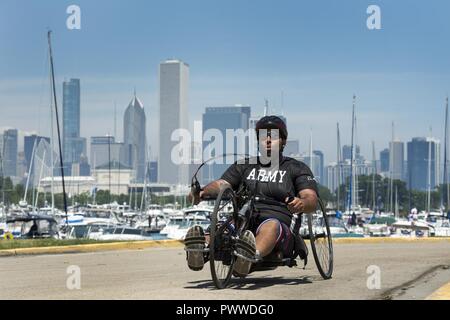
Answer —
(352, 200)
(53, 90)
(441, 223)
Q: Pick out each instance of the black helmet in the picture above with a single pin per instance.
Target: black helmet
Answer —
(272, 122)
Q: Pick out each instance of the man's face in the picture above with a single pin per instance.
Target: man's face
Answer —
(270, 140)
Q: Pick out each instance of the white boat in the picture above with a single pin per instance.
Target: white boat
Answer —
(377, 230)
(153, 223)
(180, 232)
(122, 233)
(198, 212)
(405, 228)
(442, 228)
(174, 223)
(154, 210)
(89, 216)
(171, 210)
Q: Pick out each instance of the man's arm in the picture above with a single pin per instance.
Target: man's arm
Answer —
(211, 190)
(305, 203)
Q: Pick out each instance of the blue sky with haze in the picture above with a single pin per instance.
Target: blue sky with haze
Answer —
(319, 53)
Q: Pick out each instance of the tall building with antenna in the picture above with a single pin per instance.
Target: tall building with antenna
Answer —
(134, 137)
(74, 146)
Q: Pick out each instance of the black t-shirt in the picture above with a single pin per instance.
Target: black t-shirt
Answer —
(274, 183)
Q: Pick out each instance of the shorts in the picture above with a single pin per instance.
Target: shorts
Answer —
(285, 240)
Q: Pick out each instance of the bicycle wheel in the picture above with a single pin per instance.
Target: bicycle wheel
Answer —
(321, 241)
(221, 244)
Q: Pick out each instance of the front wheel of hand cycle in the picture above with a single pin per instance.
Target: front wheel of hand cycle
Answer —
(222, 233)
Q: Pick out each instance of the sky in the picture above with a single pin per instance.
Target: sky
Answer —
(317, 53)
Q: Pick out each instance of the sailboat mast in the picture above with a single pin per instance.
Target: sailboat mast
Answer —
(52, 147)
(429, 174)
(2, 180)
(374, 163)
(109, 167)
(355, 168)
(311, 161)
(396, 203)
(445, 206)
(391, 166)
(350, 200)
(338, 167)
(57, 123)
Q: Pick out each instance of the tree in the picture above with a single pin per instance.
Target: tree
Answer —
(325, 195)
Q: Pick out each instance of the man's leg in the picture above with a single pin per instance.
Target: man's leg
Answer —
(267, 237)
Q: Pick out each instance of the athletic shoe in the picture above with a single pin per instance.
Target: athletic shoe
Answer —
(195, 240)
(246, 246)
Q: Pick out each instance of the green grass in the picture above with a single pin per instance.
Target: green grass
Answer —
(16, 244)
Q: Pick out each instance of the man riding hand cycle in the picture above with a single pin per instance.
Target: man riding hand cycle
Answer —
(271, 176)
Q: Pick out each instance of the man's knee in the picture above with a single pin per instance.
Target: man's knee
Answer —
(270, 227)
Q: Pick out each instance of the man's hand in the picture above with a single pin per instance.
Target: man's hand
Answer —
(306, 202)
(196, 198)
(295, 206)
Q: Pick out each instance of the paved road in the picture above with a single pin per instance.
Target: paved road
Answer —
(162, 274)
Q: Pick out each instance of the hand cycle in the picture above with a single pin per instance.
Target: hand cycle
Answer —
(231, 218)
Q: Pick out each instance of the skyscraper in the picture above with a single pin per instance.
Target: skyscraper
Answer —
(10, 150)
(73, 145)
(105, 149)
(153, 172)
(314, 164)
(21, 169)
(319, 174)
(219, 119)
(423, 163)
(384, 160)
(397, 158)
(135, 137)
(347, 152)
(173, 115)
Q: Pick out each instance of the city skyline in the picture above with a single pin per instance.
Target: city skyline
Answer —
(303, 147)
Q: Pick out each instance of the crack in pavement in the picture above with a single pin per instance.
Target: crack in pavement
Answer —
(422, 279)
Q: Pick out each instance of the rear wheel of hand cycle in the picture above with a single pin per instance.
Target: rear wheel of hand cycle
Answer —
(321, 241)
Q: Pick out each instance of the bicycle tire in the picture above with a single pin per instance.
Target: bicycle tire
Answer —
(321, 242)
(221, 273)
